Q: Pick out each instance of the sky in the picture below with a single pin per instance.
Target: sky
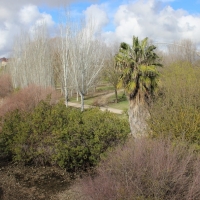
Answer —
(163, 21)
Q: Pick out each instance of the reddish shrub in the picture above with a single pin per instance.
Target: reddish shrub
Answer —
(145, 170)
(5, 85)
(26, 99)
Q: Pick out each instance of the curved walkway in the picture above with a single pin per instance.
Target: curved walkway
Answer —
(113, 110)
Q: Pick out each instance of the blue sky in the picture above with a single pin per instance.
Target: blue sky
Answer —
(192, 6)
(78, 8)
(116, 21)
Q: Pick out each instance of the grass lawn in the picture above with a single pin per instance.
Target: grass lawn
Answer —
(87, 101)
(122, 104)
(104, 88)
(122, 101)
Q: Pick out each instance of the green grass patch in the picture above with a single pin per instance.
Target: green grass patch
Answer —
(89, 100)
(121, 97)
(123, 105)
(104, 88)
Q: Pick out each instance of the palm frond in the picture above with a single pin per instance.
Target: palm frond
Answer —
(120, 84)
(138, 66)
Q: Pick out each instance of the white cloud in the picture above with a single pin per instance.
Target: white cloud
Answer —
(17, 14)
(151, 18)
(12, 22)
(30, 15)
(97, 14)
(19, 3)
(3, 35)
(142, 18)
(4, 13)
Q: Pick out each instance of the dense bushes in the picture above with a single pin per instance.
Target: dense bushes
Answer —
(162, 167)
(54, 134)
(145, 169)
(176, 112)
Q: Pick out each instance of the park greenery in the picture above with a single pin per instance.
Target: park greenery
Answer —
(175, 112)
(139, 78)
(153, 156)
(54, 134)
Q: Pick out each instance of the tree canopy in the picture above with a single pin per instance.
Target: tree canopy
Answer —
(138, 65)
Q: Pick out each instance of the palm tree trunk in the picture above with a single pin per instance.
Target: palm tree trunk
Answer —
(138, 114)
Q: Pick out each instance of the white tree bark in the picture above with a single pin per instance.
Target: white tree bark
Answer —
(82, 57)
(31, 63)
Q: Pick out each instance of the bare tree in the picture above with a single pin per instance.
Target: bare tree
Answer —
(82, 57)
(111, 72)
(184, 50)
(56, 62)
(32, 61)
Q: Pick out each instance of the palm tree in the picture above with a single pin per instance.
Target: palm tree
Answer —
(139, 78)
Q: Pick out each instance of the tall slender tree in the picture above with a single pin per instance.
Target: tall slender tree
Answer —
(138, 64)
(82, 57)
(111, 73)
(32, 61)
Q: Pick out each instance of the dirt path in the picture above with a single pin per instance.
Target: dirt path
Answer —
(107, 95)
(113, 110)
(103, 96)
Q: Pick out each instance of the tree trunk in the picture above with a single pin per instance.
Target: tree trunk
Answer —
(66, 96)
(77, 99)
(116, 97)
(138, 114)
(82, 102)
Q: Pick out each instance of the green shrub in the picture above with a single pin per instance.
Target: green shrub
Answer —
(176, 111)
(54, 134)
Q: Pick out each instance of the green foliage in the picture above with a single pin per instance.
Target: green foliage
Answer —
(176, 112)
(54, 134)
(138, 66)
